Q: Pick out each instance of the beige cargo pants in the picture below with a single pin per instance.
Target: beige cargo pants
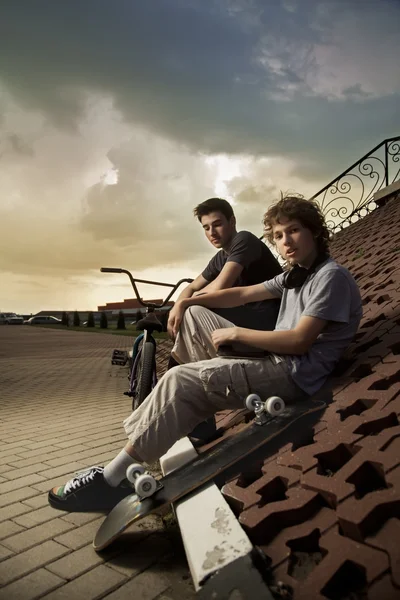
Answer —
(190, 393)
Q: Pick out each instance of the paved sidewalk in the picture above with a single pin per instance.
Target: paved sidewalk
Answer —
(61, 408)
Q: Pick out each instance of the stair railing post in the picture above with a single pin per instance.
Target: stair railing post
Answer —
(386, 164)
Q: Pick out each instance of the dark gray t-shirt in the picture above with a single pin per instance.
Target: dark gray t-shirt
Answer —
(257, 260)
(332, 294)
(259, 264)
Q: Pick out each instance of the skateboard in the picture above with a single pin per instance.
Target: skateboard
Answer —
(271, 419)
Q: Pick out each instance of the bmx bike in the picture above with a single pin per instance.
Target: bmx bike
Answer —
(143, 375)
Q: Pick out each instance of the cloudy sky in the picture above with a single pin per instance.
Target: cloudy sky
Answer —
(118, 117)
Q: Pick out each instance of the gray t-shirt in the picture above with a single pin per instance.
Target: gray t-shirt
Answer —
(332, 294)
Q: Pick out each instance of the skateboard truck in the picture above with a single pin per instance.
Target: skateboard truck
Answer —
(272, 407)
(144, 484)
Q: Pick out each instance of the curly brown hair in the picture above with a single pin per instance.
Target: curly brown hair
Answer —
(308, 212)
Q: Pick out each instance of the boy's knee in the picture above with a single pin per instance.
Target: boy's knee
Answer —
(196, 311)
(179, 375)
(175, 374)
(172, 372)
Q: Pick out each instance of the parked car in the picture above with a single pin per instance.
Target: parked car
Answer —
(43, 320)
(10, 319)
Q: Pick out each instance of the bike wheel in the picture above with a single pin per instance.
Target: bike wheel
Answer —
(135, 350)
(145, 370)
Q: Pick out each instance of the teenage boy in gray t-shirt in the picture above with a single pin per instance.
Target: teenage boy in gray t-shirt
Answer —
(329, 294)
(319, 316)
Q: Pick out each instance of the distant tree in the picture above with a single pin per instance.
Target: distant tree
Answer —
(65, 319)
(77, 320)
(90, 320)
(121, 320)
(139, 315)
(103, 321)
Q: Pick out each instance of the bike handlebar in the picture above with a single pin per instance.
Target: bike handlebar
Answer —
(133, 280)
(110, 270)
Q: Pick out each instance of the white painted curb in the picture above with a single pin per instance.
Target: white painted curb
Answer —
(210, 531)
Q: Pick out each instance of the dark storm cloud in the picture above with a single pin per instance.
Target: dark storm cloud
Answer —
(12, 144)
(220, 76)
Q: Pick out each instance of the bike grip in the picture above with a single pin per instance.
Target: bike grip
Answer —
(110, 270)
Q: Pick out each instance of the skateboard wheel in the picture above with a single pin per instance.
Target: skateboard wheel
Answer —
(274, 405)
(145, 485)
(133, 471)
(251, 401)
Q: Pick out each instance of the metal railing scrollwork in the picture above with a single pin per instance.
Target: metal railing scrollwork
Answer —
(349, 197)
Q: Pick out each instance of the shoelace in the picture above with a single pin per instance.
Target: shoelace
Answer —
(82, 478)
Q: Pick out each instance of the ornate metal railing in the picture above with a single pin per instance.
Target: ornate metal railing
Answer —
(349, 197)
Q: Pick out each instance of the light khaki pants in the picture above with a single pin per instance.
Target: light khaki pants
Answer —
(194, 342)
(190, 393)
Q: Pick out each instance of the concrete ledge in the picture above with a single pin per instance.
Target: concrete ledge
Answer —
(239, 580)
(211, 534)
(380, 196)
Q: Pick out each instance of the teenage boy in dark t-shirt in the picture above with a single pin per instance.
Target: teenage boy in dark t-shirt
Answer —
(243, 259)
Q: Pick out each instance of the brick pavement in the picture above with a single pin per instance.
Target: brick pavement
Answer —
(61, 408)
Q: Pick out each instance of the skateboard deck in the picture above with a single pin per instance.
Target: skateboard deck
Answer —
(205, 467)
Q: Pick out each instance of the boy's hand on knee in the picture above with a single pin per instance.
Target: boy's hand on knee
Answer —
(175, 319)
(171, 326)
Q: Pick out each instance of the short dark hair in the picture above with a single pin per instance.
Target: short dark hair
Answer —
(308, 212)
(214, 205)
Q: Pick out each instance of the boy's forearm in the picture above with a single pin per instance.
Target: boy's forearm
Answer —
(218, 299)
(208, 289)
(187, 292)
(280, 342)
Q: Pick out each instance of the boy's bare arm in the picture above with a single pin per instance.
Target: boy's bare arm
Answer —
(229, 274)
(291, 341)
(197, 284)
(175, 317)
(219, 299)
(229, 298)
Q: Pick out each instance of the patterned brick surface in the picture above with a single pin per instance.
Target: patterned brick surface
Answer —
(61, 409)
(327, 515)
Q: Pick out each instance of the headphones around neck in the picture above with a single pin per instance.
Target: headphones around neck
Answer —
(297, 276)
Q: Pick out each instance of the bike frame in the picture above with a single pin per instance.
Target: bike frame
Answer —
(143, 369)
